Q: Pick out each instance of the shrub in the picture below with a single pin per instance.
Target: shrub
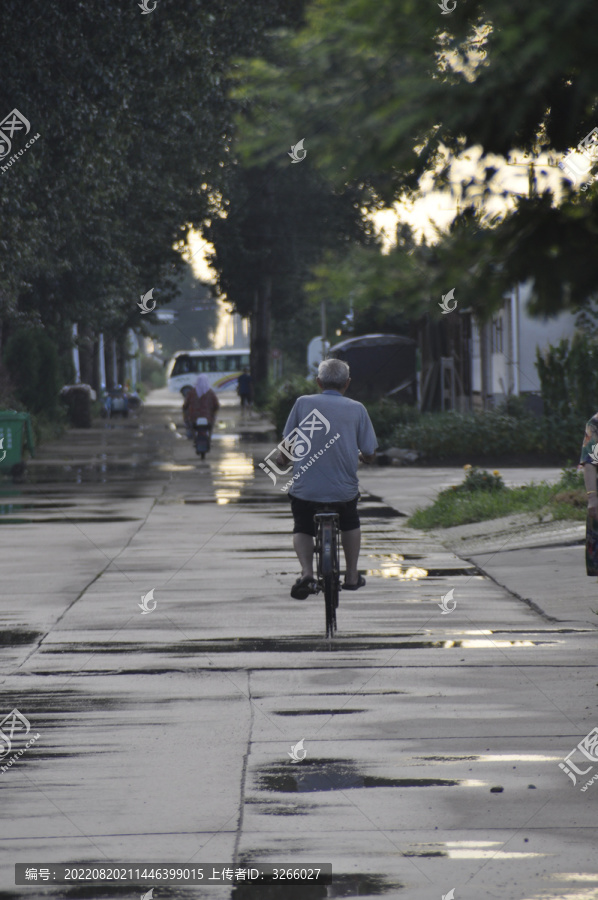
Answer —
(386, 415)
(513, 406)
(33, 365)
(479, 480)
(450, 434)
(569, 377)
(152, 373)
(492, 434)
(577, 499)
(8, 398)
(571, 479)
(280, 400)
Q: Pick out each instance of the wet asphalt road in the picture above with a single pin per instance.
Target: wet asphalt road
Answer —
(432, 741)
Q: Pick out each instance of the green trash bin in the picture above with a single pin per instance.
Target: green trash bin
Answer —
(15, 432)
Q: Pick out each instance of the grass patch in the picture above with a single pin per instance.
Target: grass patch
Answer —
(460, 506)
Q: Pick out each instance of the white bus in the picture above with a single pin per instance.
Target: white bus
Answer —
(222, 367)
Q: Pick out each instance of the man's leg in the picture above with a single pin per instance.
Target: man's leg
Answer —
(304, 548)
(351, 541)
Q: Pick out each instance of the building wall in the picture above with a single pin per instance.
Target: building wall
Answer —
(515, 336)
(539, 333)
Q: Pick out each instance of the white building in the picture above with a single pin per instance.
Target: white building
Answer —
(511, 341)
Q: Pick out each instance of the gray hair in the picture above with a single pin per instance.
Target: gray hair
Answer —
(333, 373)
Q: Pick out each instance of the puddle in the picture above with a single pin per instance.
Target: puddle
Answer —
(450, 573)
(379, 512)
(391, 566)
(269, 551)
(318, 712)
(277, 808)
(48, 473)
(410, 573)
(53, 706)
(414, 573)
(318, 775)
(68, 520)
(9, 508)
(354, 885)
(13, 638)
(287, 645)
(232, 471)
(242, 501)
(448, 758)
(173, 467)
(103, 891)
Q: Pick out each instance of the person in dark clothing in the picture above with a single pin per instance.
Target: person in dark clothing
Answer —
(245, 389)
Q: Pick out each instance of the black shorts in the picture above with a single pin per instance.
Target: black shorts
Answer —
(304, 510)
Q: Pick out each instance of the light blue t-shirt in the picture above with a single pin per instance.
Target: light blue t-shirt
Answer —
(325, 433)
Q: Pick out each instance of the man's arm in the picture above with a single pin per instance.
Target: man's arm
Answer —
(367, 457)
(367, 438)
(290, 423)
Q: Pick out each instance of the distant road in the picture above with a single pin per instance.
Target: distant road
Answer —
(165, 398)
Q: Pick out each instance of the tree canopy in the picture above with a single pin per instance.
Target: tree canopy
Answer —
(387, 93)
(135, 128)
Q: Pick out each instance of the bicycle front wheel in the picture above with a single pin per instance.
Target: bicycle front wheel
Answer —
(330, 576)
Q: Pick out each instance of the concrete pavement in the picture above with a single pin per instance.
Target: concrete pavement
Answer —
(540, 562)
(165, 737)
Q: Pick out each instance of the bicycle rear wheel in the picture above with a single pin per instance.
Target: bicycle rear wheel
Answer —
(330, 574)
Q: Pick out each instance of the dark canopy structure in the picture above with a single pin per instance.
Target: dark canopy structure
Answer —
(381, 365)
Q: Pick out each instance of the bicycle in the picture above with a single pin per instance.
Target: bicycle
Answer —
(328, 563)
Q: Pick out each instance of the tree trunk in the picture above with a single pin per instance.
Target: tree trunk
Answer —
(486, 365)
(95, 380)
(86, 356)
(109, 350)
(121, 359)
(260, 336)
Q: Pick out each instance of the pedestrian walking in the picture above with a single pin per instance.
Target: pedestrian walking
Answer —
(245, 390)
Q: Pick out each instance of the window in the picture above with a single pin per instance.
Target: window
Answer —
(181, 366)
(204, 364)
(197, 365)
(497, 335)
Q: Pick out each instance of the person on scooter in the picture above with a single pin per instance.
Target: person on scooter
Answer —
(201, 401)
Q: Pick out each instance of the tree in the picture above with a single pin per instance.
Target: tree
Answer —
(33, 365)
(389, 92)
(195, 314)
(278, 223)
(135, 128)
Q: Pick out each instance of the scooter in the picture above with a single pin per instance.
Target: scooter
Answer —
(201, 437)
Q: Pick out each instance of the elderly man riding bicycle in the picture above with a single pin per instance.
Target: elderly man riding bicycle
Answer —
(329, 435)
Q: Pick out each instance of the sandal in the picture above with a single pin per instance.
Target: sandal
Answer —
(303, 587)
(353, 587)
